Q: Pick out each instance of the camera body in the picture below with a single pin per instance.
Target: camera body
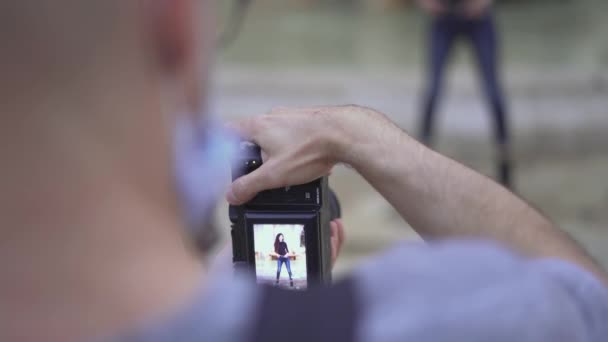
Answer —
(283, 227)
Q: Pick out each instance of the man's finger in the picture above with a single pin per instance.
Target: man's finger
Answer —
(335, 245)
(337, 239)
(245, 128)
(340, 235)
(245, 188)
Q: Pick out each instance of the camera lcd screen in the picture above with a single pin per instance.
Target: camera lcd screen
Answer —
(280, 255)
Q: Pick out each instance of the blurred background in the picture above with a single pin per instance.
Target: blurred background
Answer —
(554, 58)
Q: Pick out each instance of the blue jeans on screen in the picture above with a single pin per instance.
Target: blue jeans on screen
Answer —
(280, 261)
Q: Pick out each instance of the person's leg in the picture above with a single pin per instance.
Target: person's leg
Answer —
(288, 264)
(442, 33)
(279, 266)
(485, 43)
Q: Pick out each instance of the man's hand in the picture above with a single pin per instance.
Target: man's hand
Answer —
(300, 145)
(296, 149)
(434, 7)
(337, 240)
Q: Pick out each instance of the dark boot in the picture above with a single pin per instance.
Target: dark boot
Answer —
(277, 282)
(504, 167)
(426, 136)
(290, 280)
(505, 175)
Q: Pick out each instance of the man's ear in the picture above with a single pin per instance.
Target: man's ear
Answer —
(174, 29)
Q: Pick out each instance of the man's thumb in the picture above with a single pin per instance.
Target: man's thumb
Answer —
(246, 187)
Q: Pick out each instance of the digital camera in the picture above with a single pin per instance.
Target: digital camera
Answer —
(283, 235)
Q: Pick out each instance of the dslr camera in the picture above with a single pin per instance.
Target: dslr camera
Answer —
(283, 235)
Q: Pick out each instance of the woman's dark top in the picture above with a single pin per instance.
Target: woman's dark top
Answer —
(454, 7)
(282, 250)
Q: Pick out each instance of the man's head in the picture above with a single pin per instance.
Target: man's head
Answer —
(101, 81)
(60, 43)
(91, 92)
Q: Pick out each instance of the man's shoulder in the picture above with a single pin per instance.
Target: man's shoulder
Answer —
(467, 263)
(223, 311)
(417, 286)
(473, 290)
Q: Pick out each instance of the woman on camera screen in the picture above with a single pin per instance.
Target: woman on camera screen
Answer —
(282, 252)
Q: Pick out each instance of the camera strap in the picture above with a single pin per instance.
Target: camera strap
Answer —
(322, 313)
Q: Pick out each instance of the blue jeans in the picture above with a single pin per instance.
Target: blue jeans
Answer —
(481, 33)
(280, 261)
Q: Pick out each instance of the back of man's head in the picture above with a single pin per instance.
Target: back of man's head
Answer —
(47, 44)
(101, 75)
(50, 45)
(87, 92)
